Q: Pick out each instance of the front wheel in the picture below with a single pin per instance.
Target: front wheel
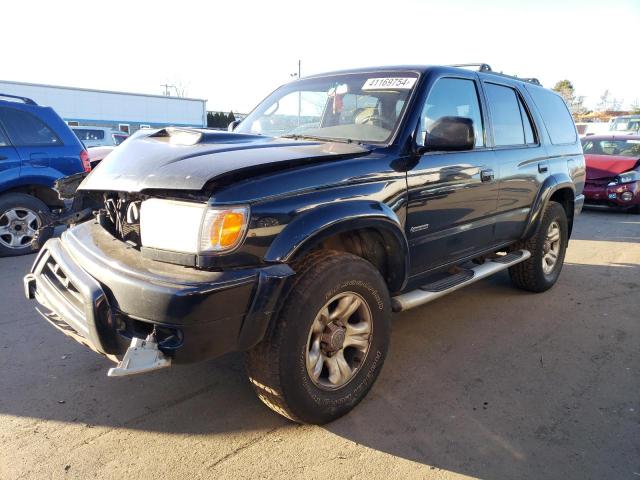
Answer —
(328, 343)
(547, 246)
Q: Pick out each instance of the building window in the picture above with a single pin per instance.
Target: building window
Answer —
(123, 127)
(144, 126)
(73, 123)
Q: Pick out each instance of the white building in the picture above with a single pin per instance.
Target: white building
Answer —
(119, 110)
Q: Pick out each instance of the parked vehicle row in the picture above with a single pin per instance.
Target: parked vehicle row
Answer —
(36, 148)
(341, 198)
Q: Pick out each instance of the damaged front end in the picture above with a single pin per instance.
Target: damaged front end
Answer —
(79, 206)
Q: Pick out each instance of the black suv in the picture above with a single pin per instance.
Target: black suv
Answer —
(341, 198)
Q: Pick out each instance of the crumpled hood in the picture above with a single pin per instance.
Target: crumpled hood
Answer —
(608, 166)
(180, 159)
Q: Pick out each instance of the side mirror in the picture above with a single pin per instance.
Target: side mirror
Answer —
(232, 126)
(450, 134)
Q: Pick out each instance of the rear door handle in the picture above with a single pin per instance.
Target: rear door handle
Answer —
(487, 175)
(543, 167)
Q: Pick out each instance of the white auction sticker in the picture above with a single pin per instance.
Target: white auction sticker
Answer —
(389, 83)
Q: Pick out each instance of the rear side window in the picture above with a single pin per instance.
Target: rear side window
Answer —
(555, 115)
(86, 134)
(25, 129)
(510, 122)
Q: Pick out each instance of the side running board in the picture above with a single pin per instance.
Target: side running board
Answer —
(440, 288)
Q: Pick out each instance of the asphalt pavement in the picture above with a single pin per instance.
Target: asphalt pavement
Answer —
(487, 382)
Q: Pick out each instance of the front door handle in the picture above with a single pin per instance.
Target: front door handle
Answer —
(487, 175)
(2, 157)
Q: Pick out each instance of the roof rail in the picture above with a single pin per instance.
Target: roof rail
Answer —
(486, 68)
(531, 80)
(26, 100)
(482, 67)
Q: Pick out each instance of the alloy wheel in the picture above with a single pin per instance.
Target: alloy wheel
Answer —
(18, 227)
(339, 341)
(551, 248)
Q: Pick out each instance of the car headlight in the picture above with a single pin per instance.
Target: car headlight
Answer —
(189, 227)
(627, 177)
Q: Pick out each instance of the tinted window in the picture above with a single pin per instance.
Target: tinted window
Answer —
(506, 116)
(455, 97)
(25, 129)
(529, 136)
(3, 140)
(86, 134)
(555, 114)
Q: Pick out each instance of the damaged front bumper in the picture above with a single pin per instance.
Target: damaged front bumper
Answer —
(106, 295)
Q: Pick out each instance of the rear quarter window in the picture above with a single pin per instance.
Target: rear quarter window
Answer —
(555, 115)
(25, 129)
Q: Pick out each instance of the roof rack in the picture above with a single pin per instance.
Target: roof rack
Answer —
(26, 100)
(482, 67)
(486, 68)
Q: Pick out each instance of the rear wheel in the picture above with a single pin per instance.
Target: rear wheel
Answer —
(328, 343)
(21, 216)
(547, 246)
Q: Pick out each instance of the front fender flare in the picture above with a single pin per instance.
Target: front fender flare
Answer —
(312, 227)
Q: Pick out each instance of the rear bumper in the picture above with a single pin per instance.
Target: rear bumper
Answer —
(102, 293)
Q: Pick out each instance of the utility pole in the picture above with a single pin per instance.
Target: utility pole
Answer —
(166, 86)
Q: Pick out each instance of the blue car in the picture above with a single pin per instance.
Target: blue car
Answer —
(36, 148)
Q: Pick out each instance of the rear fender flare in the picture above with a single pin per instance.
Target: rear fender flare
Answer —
(551, 185)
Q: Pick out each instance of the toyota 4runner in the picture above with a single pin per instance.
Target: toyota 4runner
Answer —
(340, 199)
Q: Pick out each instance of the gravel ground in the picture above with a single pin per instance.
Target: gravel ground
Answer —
(488, 382)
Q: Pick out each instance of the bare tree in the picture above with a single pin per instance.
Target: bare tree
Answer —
(608, 103)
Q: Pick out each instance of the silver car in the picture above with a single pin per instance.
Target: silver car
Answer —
(99, 136)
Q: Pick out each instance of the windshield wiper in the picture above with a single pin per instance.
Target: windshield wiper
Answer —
(296, 136)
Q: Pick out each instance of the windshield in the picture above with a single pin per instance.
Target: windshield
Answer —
(362, 107)
(625, 124)
(624, 148)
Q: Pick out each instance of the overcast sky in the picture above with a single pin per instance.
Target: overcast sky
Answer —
(234, 53)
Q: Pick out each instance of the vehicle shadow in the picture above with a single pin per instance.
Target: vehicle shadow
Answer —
(501, 384)
(489, 381)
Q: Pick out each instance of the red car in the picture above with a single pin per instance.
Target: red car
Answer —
(613, 170)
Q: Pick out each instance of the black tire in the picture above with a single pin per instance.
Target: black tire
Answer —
(277, 366)
(18, 201)
(530, 275)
